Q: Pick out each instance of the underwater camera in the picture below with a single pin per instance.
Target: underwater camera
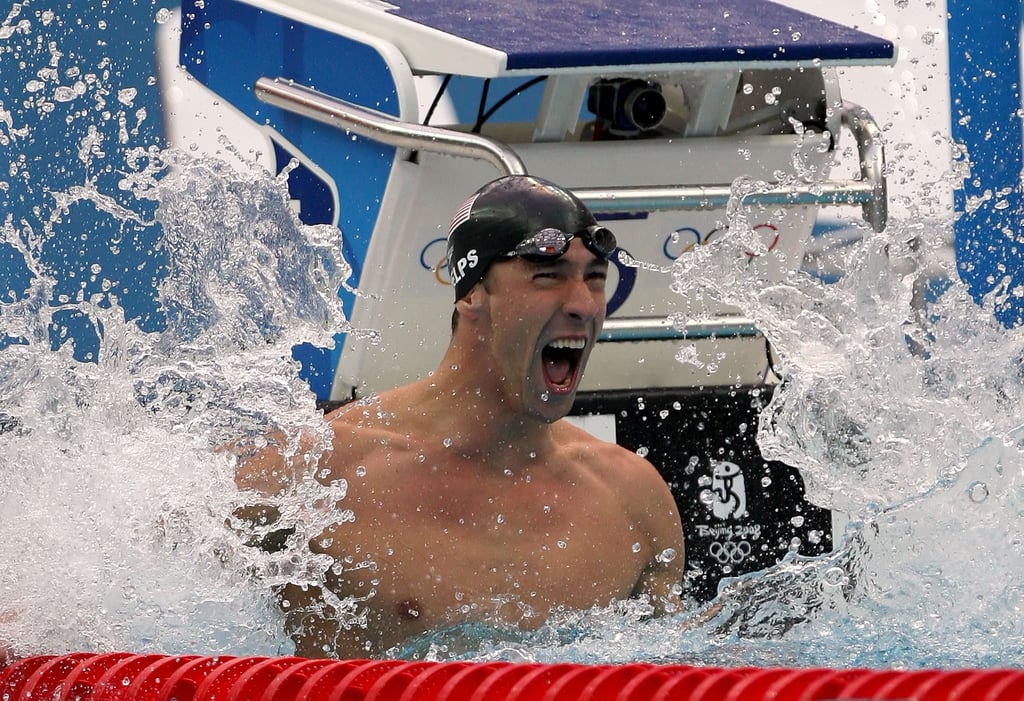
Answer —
(627, 106)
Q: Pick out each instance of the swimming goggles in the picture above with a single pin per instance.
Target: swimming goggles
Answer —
(551, 244)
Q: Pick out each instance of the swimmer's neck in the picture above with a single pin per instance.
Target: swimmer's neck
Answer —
(481, 420)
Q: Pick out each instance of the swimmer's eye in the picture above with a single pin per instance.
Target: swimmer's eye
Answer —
(547, 271)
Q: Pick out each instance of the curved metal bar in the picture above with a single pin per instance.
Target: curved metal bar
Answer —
(384, 128)
(631, 329)
(871, 150)
(672, 197)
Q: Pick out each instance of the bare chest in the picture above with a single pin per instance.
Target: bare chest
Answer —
(445, 557)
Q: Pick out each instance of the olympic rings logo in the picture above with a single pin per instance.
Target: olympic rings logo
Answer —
(730, 552)
(440, 269)
(686, 238)
(437, 249)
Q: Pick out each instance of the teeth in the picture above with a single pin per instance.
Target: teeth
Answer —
(573, 343)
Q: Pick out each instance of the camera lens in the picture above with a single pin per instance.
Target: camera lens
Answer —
(629, 105)
(645, 107)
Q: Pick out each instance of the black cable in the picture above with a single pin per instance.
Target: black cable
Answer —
(480, 109)
(437, 98)
(508, 96)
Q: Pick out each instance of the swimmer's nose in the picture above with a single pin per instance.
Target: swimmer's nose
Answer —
(582, 301)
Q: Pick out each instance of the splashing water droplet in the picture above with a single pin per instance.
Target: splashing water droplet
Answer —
(126, 96)
(667, 555)
(835, 577)
(977, 492)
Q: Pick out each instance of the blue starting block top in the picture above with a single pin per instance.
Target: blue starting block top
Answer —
(541, 36)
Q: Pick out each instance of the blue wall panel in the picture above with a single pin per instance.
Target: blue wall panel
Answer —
(985, 93)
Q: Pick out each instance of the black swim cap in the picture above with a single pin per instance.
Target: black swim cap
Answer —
(499, 216)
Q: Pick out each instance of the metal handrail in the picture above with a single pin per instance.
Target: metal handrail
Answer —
(871, 151)
(384, 128)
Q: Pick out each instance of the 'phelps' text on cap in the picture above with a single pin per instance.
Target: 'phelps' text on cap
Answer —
(467, 262)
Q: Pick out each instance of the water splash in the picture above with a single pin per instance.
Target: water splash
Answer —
(114, 482)
(899, 403)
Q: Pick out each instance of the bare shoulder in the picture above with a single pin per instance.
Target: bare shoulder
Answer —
(611, 463)
(646, 498)
(269, 464)
(357, 427)
(638, 485)
(361, 432)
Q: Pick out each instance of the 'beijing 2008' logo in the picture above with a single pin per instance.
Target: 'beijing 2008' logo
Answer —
(729, 490)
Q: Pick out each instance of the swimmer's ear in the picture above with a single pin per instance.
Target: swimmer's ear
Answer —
(474, 303)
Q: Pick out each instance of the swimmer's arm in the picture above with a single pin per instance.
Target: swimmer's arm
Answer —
(317, 628)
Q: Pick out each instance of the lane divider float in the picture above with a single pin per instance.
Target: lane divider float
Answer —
(123, 676)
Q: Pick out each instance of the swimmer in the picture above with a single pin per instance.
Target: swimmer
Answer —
(474, 500)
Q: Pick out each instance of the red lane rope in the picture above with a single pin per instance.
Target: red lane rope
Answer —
(147, 677)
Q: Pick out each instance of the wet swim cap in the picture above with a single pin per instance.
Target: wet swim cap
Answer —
(502, 214)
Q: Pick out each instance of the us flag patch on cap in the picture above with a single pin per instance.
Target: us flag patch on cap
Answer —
(462, 214)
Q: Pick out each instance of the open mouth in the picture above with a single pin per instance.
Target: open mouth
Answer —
(561, 361)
